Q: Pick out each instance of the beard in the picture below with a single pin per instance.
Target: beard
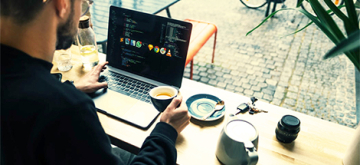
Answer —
(66, 32)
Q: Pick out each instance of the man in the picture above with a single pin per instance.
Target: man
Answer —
(44, 121)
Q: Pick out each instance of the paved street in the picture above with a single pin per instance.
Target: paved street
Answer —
(283, 70)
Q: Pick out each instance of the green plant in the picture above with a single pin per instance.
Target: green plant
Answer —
(348, 42)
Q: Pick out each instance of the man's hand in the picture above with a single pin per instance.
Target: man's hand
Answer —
(89, 82)
(179, 117)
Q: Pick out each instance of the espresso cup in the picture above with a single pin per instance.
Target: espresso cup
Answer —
(162, 96)
(238, 143)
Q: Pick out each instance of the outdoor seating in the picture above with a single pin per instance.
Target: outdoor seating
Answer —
(200, 34)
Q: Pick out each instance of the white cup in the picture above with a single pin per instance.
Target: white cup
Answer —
(162, 96)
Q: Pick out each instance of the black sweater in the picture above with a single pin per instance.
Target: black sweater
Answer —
(44, 121)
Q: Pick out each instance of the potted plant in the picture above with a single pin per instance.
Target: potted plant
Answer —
(347, 42)
(326, 23)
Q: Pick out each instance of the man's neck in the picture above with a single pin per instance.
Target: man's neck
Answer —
(34, 38)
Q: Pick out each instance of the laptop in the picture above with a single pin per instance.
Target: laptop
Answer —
(144, 51)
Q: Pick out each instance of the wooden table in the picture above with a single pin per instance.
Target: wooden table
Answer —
(319, 141)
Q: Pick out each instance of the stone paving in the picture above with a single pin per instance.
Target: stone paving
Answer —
(283, 70)
(287, 71)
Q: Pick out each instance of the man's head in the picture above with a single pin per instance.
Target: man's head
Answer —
(23, 12)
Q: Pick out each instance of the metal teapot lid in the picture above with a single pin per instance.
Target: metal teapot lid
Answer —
(241, 130)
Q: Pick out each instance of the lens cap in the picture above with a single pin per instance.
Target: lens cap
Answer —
(290, 122)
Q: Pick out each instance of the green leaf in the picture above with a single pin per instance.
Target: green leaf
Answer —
(351, 47)
(310, 16)
(328, 11)
(299, 2)
(349, 26)
(350, 8)
(325, 18)
(323, 28)
(297, 31)
(336, 10)
(262, 22)
(351, 43)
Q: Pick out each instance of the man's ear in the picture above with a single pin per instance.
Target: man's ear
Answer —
(62, 7)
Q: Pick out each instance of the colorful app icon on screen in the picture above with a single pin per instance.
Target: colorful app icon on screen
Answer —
(133, 42)
(138, 44)
(156, 49)
(127, 41)
(150, 47)
(163, 50)
(121, 39)
(168, 53)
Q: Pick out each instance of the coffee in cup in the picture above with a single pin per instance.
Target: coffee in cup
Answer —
(162, 96)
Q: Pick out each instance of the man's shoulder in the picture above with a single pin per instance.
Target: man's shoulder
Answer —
(66, 96)
(41, 93)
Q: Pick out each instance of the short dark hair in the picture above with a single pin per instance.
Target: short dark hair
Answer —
(22, 11)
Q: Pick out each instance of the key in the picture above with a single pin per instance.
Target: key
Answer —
(256, 110)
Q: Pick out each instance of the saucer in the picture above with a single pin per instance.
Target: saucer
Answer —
(200, 105)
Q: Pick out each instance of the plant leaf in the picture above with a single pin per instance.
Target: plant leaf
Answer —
(350, 8)
(352, 58)
(325, 18)
(299, 2)
(297, 31)
(349, 26)
(314, 19)
(323, 28)
(349, 46)
(262, 22)
(351, 43)
(336, 10)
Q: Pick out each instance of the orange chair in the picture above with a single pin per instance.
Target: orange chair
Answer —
(200, 34)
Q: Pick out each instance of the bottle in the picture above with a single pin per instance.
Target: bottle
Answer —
(87, 44)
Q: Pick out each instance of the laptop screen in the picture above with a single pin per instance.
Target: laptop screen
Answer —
(148, 45)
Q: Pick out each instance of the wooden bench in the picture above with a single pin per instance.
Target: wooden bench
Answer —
(200, 34)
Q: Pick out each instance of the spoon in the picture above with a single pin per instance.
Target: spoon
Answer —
(218, 106)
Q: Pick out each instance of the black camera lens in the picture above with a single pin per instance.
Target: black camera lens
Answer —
(287, 129)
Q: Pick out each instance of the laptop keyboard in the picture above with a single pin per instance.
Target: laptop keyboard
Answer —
(128, 86)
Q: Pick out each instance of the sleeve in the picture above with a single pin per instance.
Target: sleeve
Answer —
(77, 137)
(159, 147)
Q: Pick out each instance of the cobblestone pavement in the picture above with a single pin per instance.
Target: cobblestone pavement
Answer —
(287, 71)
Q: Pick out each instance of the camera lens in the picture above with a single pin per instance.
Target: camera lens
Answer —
(287, 129)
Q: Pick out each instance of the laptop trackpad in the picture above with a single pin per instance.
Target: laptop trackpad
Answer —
(141, 113)
(132, 110)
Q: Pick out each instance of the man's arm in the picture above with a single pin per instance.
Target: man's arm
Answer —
(77, 137)
(159, 147)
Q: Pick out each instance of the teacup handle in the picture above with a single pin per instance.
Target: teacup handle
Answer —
(251, 150)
